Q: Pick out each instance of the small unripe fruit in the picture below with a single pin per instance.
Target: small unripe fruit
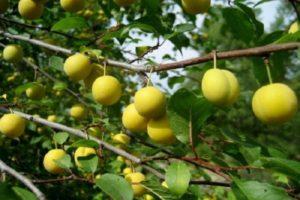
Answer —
(30, 9)
(83, 152)
(95, 131)
(35, 92)
(220, 87)
(12, 125)
(150, 102)
(3, 6)
(77, 67)
(127, 170)
(124, 2)
(78, 111)
(133, 121)
(159, 130)
(274, 103)
(121, 159)
(135, 179)
(95, 73)
(164, 184)
(294, 27)
(107, 90)
(195, 6)
(72, 5)
(13, 53)
(121, 138)
(49, 161)
(148, 197)
(52, 118)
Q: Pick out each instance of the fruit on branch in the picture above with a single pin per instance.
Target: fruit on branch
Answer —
(133, 121)
(294, 27)
(36, 91)
(150, 102)
(12, 125)
(159, 130)
(13, 53)
(127, 171)
(148, 197)
(83, 152)
(78, 111)
(96, 72)
(124, 2)
(274, 103)
(52, 118)
(72, 5)
(220, 87)
(121, 159)
(95, 131)
(135, 179)
(121, 138)
(164, 184)
(49, 161)
(107, 90)
(77, 67)
(195, 6)
(30, 9)
(3, 6)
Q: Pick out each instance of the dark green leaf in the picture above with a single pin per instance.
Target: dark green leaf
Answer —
(85, 143)
(69, 23)
(24, 194)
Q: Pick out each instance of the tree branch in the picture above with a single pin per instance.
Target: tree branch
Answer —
(27, 182)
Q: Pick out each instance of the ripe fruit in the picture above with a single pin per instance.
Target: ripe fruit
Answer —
(121, 138)
(135, 179)
(159, 130)
(95, 131)
(12, 125)
(77, 67)
(36, 91)
(294, 27)
(95, 73)
(50, 158)
(30, 9)
(83, 152)
(13, 53)
(164, 184)
(78, 111)
(107, 90)
(123, 2)
(133, 121)
(195, 6)
(274, 103)
(127, 170)
(3, 6)
(150, 102)
(72, 5)
(220, 87)
(52, 118)
(148, 197)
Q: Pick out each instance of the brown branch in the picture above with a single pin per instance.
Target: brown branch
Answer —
(63, 179)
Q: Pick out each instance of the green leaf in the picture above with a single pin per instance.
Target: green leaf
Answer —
(64, 162)
(85, 143)
(175, 80)
(253, 190)
(157, 190)
(59, 85)
(6, 192)
(288, 167)
(69, 23)
(22, 88)
(180, 28)
(294, 37)
(115, 186)
(178, 177)
(88, 163)
(24, 194)
(251, 154)
(61, 137)
(56, 62)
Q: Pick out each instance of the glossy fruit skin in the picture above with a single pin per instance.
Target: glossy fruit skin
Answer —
(13, 53)
(90, 79)
(121, 138)
(148, 197)
(220, 87)
(124, 2)
(133, 121)
(77, 67)
(136, 178)
(274, 103)
(30, 9)
(52, 118)
(107, 90)
(12, 125)
(159, 131)
(295, 27)
(95, 131)
(83, 152)
(78, 111)
(195, 6)
(49, 163)
(35, 92)
(3, 6)
(72, 5)
(127, 170)
(150, 102)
